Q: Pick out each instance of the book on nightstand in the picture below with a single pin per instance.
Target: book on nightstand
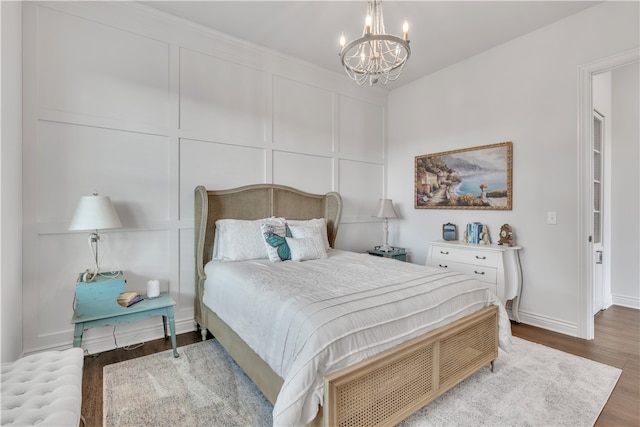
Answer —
(127, 299)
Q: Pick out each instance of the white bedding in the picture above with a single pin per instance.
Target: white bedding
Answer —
(306, 319)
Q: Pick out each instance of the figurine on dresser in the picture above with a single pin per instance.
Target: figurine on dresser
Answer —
(506, 235)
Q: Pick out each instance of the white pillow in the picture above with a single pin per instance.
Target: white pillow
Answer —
(302, 231)
(321, 223)
(241, 240)
(274, 241)
(306, 248)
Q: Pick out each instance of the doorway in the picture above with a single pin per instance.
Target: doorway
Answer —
(588, 214)
(601, 278)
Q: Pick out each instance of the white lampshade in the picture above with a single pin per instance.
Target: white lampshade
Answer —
(385, 209)
(95, 213)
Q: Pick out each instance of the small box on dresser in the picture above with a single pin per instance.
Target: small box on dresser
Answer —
(495, 264)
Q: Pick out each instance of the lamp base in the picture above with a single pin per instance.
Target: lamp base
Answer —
(385, 248)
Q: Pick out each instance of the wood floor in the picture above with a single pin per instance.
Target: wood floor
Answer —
(617, 343)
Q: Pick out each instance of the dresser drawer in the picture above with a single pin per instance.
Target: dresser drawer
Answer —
(497, 266)
(484, 274)
(480, 257)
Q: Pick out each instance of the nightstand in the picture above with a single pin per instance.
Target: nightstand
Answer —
(96, 305)
(397, 253)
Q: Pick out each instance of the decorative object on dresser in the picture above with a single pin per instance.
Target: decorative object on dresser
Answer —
(506, 235)
(477, 233)
(493, 264)
(395, 253)
(94, 213)
(471, 178)
(449, 232)
(385, 210)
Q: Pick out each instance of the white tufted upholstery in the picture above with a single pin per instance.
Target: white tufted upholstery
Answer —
(43, 389)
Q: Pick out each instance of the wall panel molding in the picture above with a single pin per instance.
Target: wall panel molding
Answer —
(142, 106)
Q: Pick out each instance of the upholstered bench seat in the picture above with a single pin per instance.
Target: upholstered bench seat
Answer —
(43, 389)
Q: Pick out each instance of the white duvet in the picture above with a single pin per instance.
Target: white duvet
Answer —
(307, 319)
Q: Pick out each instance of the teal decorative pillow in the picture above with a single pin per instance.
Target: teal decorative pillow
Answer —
(275, 241)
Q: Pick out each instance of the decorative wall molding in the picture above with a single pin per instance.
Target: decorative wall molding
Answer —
(550, 323)
(625, 301)
(142, 106)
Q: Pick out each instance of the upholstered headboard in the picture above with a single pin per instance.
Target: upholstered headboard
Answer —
(256, 202)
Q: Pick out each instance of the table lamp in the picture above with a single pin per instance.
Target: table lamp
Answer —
(385, 210)
(94, 213)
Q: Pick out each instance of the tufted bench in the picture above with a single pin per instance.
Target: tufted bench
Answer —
(43, 389)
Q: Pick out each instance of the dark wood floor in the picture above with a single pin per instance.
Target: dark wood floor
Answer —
(617, 343)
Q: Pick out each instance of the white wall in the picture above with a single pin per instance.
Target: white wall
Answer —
(142, 107)
(523, 91)
(625, 182)
(11, 179)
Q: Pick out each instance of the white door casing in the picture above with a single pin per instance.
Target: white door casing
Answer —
(585, 182)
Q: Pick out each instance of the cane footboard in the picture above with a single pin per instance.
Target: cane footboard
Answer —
(389, 387)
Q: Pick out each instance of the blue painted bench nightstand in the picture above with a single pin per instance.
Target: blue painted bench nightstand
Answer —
(395, 253)
(96, 305)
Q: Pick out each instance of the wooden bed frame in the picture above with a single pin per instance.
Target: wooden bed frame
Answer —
(382, 390)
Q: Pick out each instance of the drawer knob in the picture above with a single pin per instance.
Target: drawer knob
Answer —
(443, 266)
(478, 272)
(444, 252)
(480, 257)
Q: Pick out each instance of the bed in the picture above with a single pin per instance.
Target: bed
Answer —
(379, 384)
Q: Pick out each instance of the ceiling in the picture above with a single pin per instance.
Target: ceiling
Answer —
(441, 32)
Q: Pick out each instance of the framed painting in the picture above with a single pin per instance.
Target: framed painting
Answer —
(471, 178)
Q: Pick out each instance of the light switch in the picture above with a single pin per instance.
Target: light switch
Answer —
(551, 218)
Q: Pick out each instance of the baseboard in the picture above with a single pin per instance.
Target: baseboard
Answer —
(625, 301)
(549, 323)
(128, 337)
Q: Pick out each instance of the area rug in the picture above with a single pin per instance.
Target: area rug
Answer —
(533, 385)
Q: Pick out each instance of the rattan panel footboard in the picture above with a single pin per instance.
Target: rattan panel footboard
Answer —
(388, 388)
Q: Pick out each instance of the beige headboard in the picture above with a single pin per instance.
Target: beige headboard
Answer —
(255, 202)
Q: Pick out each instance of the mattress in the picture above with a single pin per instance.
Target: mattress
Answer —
(308, 319)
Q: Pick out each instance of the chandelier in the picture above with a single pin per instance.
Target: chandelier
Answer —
(376, 56)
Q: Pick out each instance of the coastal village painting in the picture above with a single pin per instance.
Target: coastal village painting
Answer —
(472, 178)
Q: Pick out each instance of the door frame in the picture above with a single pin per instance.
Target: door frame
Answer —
(585, 182)
(601, 286)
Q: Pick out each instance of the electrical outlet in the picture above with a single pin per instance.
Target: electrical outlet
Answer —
(552, 218)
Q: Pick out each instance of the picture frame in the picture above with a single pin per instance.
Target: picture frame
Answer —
(449, 232)
(471, 178)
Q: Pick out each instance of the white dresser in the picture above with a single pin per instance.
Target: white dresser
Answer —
(495, 264)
